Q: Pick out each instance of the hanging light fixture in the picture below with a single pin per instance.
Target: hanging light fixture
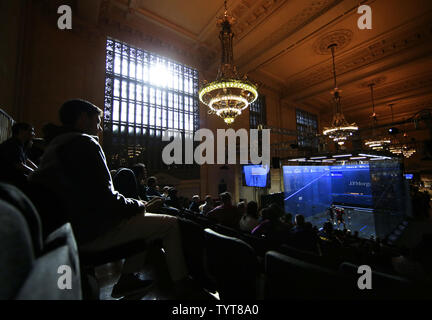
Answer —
(229, 94)
(340, 130)
(401, 148)
(377, 142)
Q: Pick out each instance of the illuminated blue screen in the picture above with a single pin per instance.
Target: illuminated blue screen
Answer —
(312, 189)
(256, 175)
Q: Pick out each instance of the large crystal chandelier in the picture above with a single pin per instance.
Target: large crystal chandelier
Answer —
(229, 94)
(376, 142)
(340, 130)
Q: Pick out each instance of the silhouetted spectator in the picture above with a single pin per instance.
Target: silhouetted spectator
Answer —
(226, 213)
(152, 190)
(271, 226)
(302, 235)
(15, 166)
(74, 166)
(172, 200)
(241, 207)
(207, 206)
(249, 220)
(194, 206)
(140, 172)
(124, 182)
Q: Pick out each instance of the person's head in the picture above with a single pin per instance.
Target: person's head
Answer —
(288, 218)
(82, 116)
(152, 182)
(241, 207)
(165, 190)
(172, 192)
(225, 198)
(328, 227)
(266, 214)
(299, 220)
(140, 172)
(23, 132)
(196, 198)
(252, 209)
(208, 199)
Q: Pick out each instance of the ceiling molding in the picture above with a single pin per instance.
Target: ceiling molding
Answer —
(363, 57)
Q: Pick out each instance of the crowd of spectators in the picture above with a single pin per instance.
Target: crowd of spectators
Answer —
(131, 190)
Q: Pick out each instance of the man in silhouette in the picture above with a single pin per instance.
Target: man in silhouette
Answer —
(75, 168)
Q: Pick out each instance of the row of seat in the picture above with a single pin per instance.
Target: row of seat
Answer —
(33, 267)
(231, 266)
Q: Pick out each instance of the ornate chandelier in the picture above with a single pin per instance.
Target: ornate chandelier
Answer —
(377, 142)
(340, 130)
(402, 150)
(228, 95)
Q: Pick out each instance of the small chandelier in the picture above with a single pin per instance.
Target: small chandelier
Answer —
(404, 150)
(377, 143)
(340, 130)
(228, 95)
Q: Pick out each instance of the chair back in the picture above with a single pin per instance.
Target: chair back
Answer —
(290, 278)
(233, 264)
(22, 203)
(16, 251)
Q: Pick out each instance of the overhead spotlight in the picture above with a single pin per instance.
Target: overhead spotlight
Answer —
(393, 130)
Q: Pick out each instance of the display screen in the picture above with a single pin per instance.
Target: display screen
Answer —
(312, 189)
(409, 176)
(256, 176)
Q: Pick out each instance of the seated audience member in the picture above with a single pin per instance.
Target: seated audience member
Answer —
(249, 220)
(287, 219)
(328, 241)
(173, 200)
(152, 190)
(194, 206)
(241, 207)
(74, 166)
(327, 232)
(140, 172)
(15, 166)
(302, 235)
(207, 206)
(226, 213)
(271, 226)
(124, 182)
(165, 192)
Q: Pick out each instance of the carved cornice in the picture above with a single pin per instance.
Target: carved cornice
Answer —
(376, 51)
(294, 24)
(392, 89)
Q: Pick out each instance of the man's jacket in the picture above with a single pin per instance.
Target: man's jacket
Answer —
(74, 168)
